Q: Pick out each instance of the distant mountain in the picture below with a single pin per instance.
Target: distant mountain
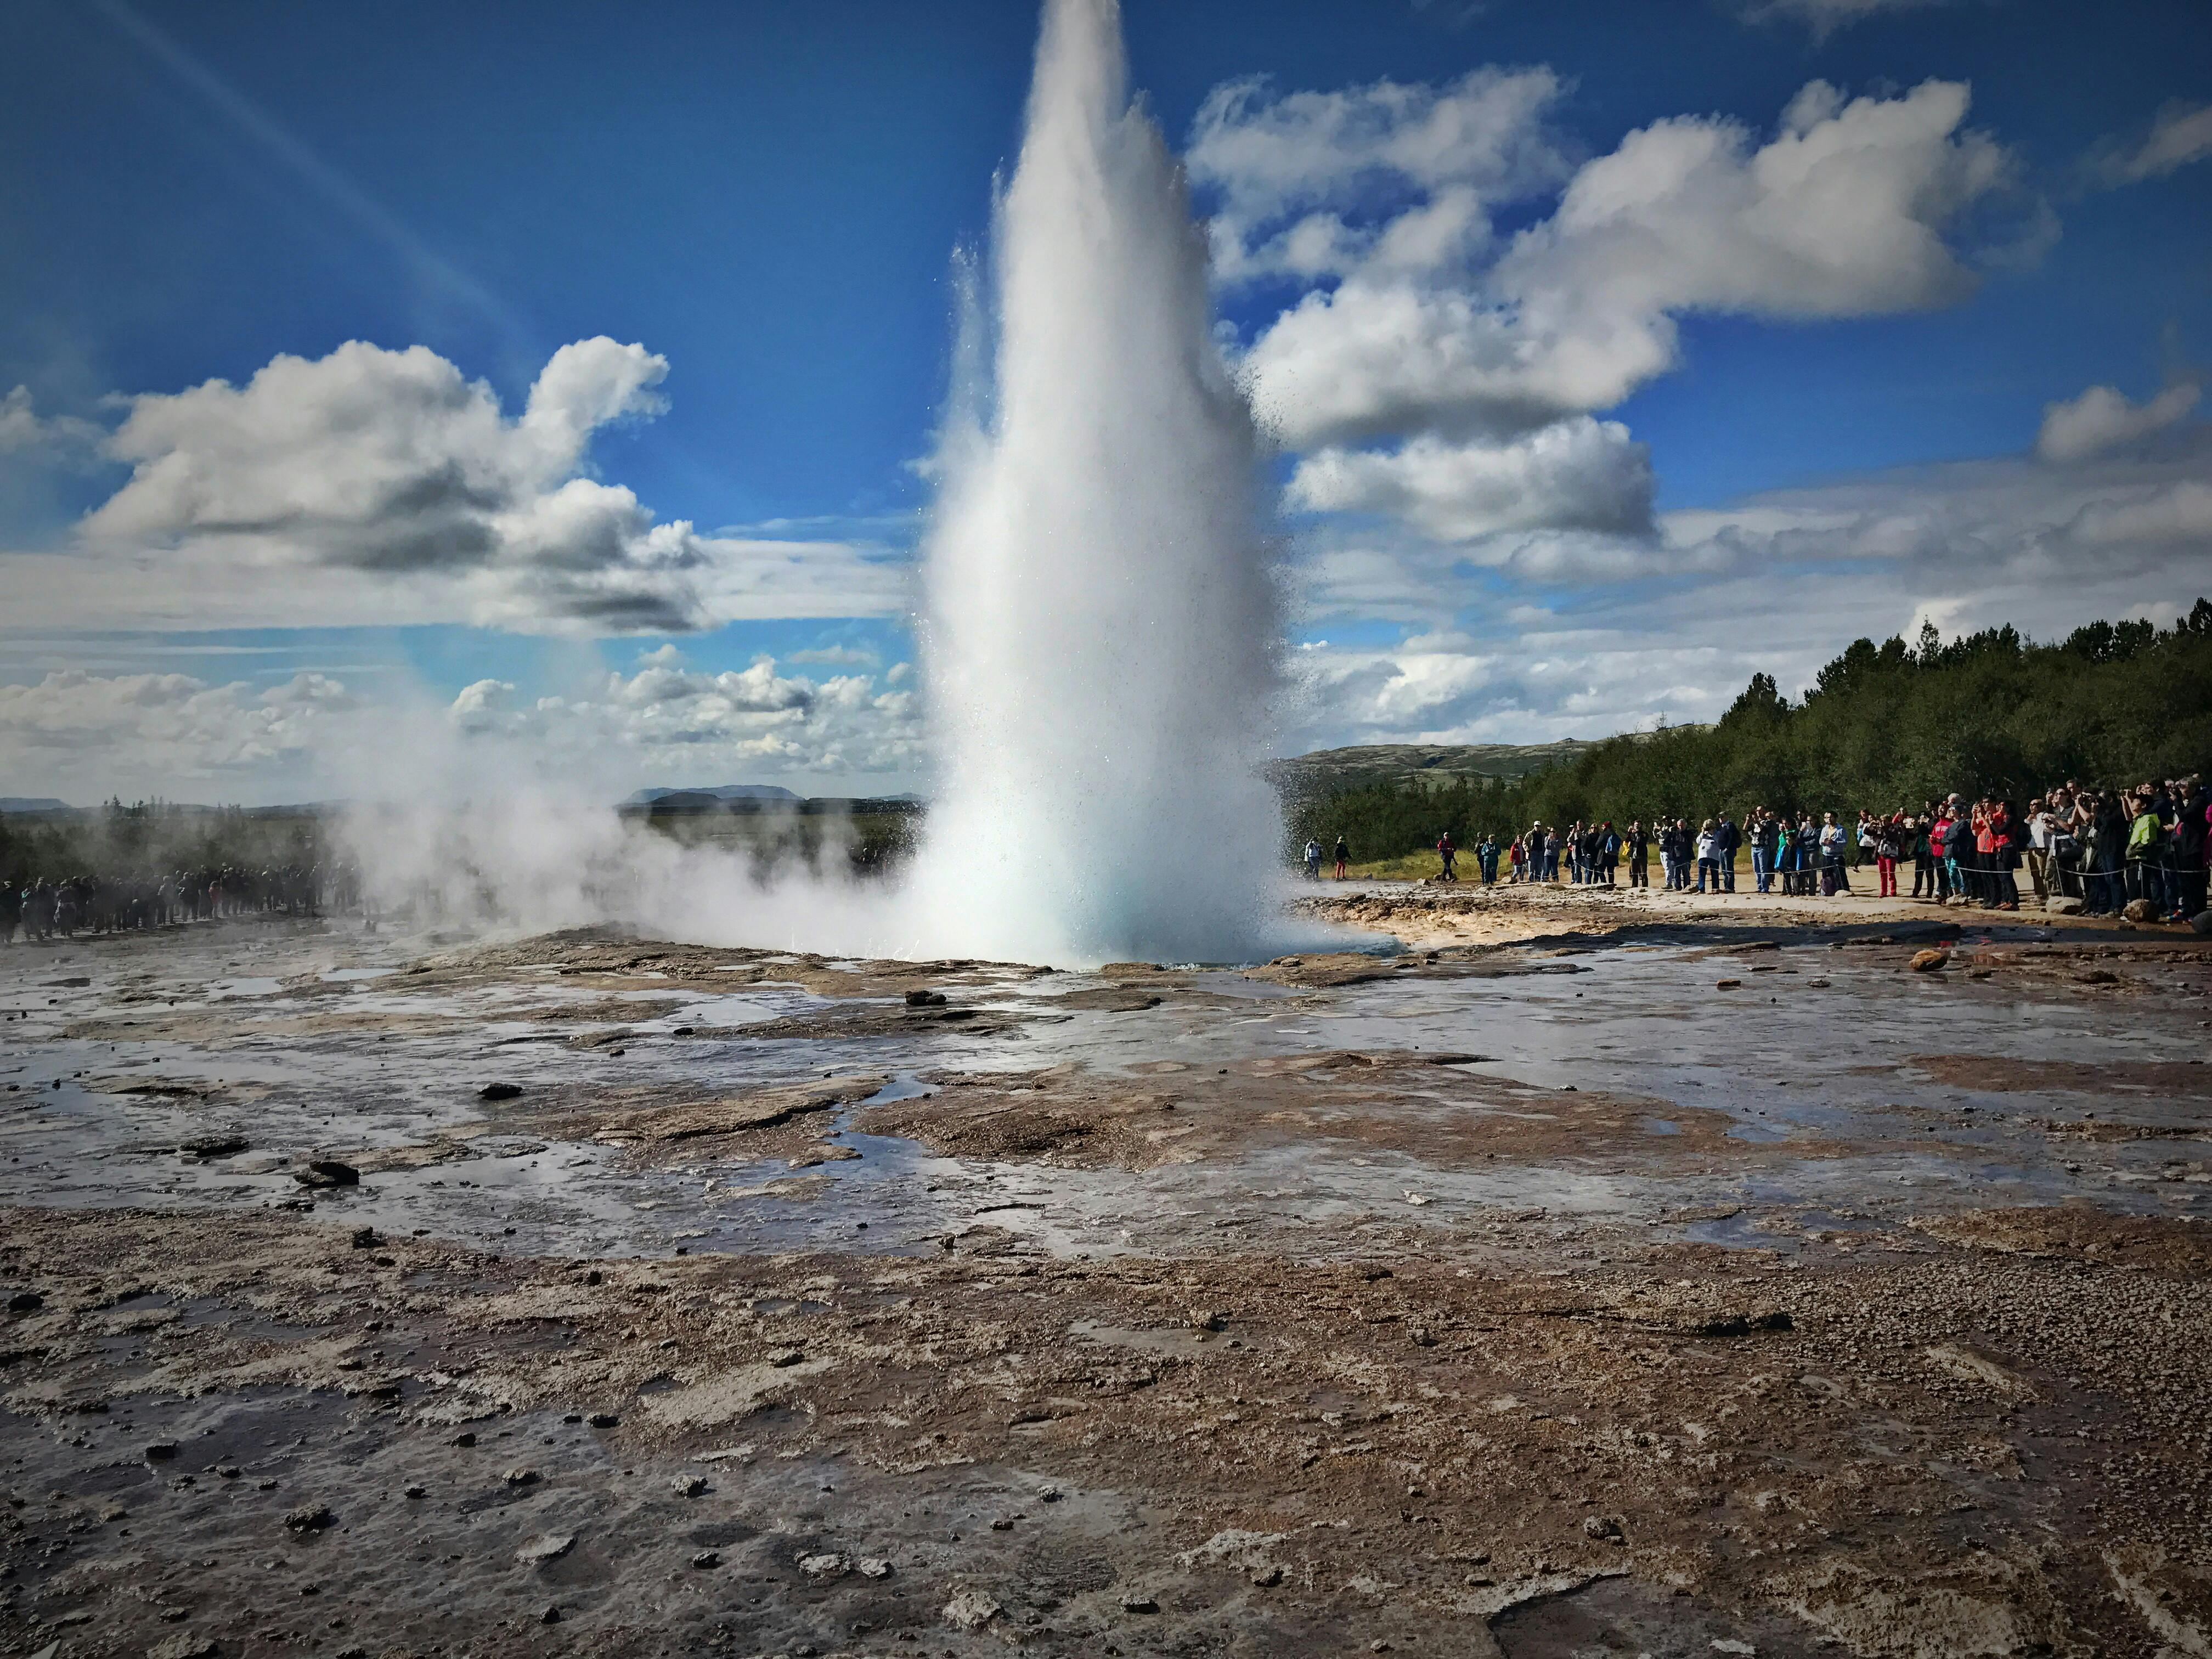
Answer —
(34, 804)
(720, 792)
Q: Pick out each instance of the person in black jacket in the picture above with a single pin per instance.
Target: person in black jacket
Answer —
(1959, 849)
(2186, 844)
(1726, 839)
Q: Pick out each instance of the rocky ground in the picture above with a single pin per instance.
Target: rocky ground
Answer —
(1605, 1284)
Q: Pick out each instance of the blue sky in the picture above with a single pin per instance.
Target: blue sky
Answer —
(765, 198)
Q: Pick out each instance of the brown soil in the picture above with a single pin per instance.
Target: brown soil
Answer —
(1436, 1110)
(1707, 1420)
(1970, 1453)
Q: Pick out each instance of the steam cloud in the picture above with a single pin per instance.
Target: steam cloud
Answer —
(1103, 619)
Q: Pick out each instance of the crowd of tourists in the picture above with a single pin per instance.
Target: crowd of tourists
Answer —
(41, 909)
(2105, 849)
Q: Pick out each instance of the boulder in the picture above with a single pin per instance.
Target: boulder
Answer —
(2063, 904)
(1928, 961)
(2141, 910)
(971, 1610)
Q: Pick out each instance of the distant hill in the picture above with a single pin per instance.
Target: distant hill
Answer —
(742, 800)
(719, 792)
(34, 804)
(1329, 769)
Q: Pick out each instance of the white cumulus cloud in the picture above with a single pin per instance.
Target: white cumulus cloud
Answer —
(24, 431)
(2102, 420)
(386, 486)
(1580, 474)
(1287, 168)
(101, 728)
(2180, 134)
(1845, 210)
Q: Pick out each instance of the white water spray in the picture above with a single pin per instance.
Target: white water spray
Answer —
(1102, 621)
(1102, 629)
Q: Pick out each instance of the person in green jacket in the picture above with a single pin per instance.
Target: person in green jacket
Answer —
(2146, 832)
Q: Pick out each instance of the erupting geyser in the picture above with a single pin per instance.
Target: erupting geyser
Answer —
(1104, 622)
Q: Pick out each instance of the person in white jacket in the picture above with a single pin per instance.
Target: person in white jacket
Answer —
(1709, 857)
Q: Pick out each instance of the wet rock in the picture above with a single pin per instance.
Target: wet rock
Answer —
(603, 1419)
(2097, 976)
(707, 1558)
(1204, 1319)
(416, 1491)
(1267, 1577)
(213, 1146)
(550, 1547)
(971, 1610)
(1603, 1528)
(327, 1172)
(1137, 1602)
(1727, 984)
(925, 999)
(183, 1645)
(873, 1566)
(1928, 961)
(26, 1301)
(825, 1153)
(690, 1486)
(550, 1616)
(822, 1568)
(464, 1438)
(500, 1091)
(364, 1238)
(161, 1451)
(523, 1477)
(1744, 1324)
(310, 1518)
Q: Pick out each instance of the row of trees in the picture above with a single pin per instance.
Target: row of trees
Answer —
(1883, 727)
(149, 839)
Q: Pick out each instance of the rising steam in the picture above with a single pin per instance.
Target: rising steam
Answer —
(1102, 620)
(1102, 616)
